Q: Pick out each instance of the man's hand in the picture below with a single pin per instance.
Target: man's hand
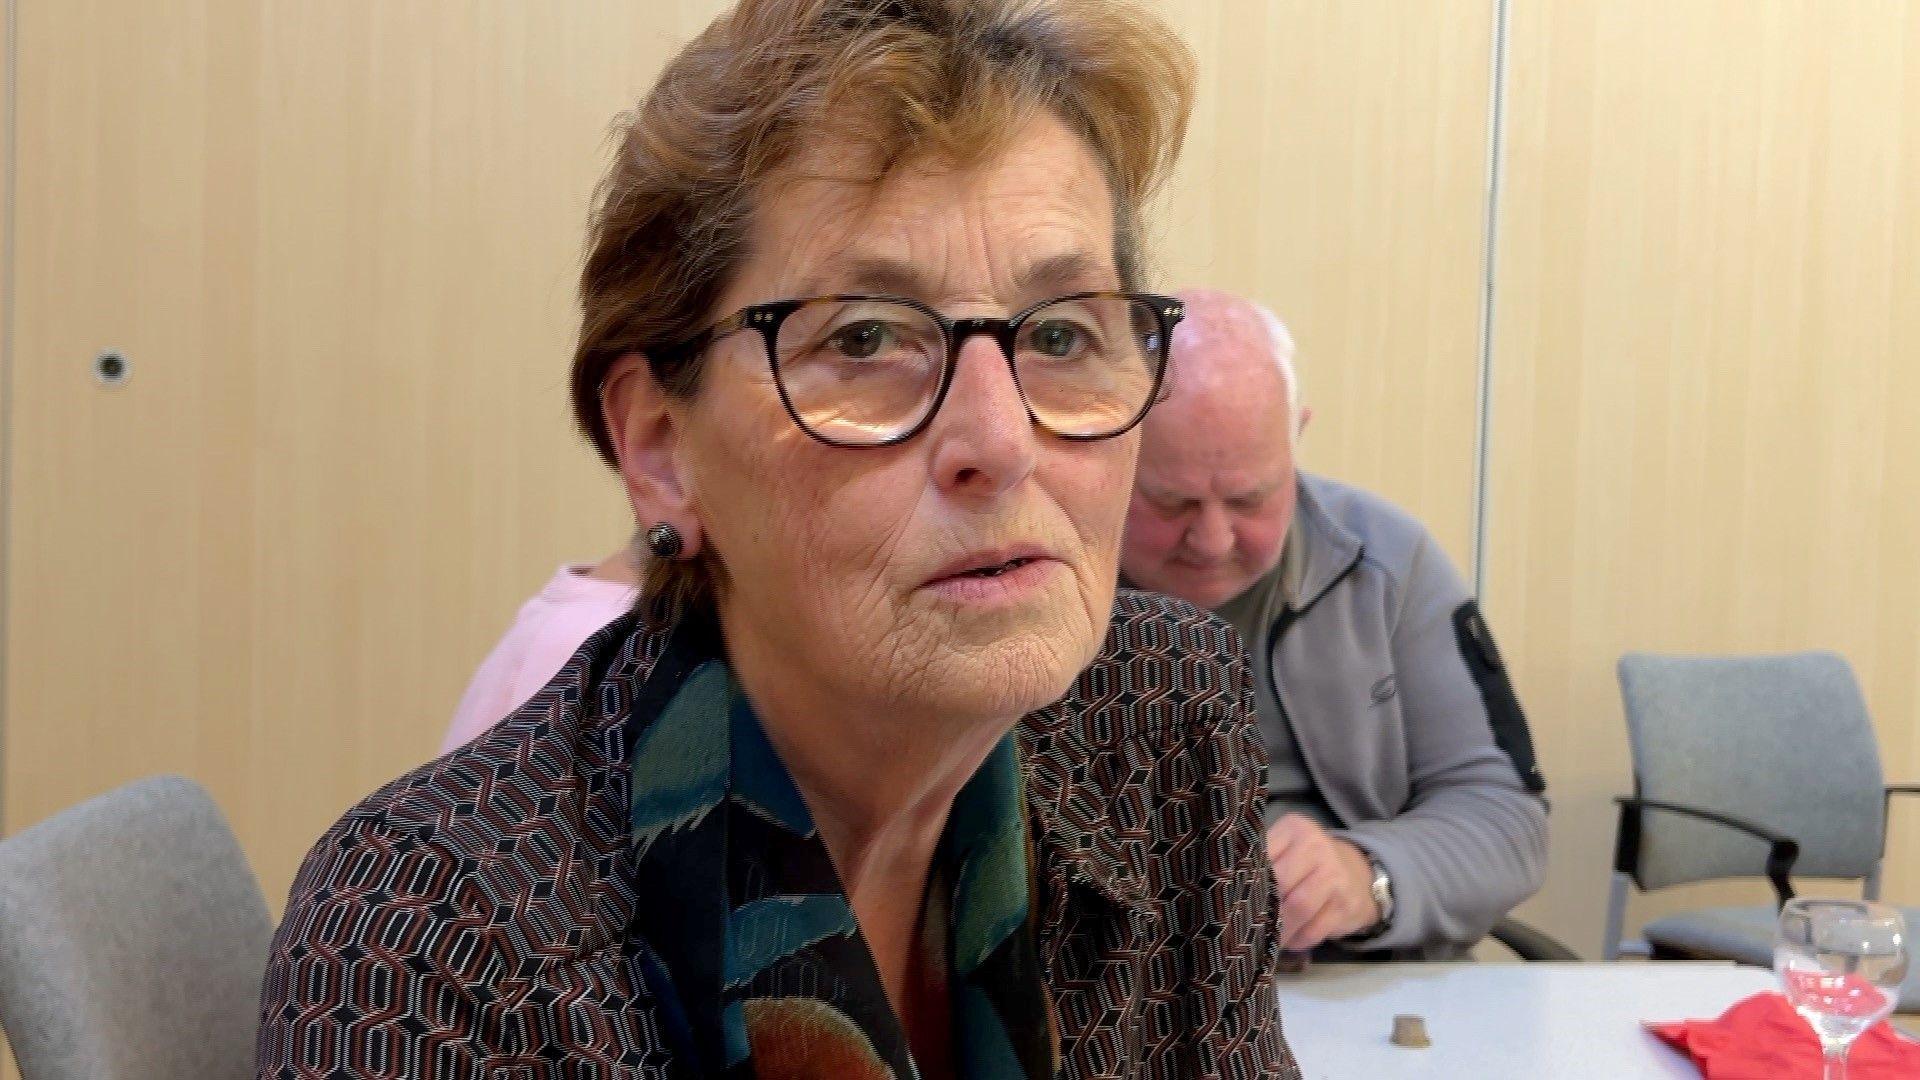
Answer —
(1325, 883)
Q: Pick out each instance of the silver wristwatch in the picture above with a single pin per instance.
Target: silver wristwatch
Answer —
(1382, 888)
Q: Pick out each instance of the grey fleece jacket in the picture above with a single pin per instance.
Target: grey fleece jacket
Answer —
(1382, 680)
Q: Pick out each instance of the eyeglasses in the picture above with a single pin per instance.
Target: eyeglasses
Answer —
(859, 371)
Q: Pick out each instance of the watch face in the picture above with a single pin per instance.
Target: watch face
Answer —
(1382, 891)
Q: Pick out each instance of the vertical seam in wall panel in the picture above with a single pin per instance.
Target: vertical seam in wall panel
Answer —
(1483, 397)
(9, 169)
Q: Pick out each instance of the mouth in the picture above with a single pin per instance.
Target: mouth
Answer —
(1199, 569)
(989, 565)
(995, 570)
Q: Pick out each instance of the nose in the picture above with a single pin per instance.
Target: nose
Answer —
(983, 441)
(1211, 534)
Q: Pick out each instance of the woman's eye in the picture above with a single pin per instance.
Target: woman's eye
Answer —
(861, 340)
(1058, 339)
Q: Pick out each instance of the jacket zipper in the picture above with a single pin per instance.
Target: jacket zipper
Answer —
(1287, 618)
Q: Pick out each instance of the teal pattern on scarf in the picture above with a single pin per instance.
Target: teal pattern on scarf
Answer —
(753, 951)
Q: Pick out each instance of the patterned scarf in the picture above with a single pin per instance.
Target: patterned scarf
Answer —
(755, 959)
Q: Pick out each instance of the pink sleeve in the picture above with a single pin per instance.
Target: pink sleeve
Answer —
(538, 644)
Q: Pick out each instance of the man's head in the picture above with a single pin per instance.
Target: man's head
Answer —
(1215, 490)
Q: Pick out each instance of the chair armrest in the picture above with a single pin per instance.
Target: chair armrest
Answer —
(1782, 850)
(1531, 945)
(1886, 817)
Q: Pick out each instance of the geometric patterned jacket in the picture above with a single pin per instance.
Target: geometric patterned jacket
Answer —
(470, 919)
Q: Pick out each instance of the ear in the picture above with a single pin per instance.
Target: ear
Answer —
(1306, 414)
(645, 438)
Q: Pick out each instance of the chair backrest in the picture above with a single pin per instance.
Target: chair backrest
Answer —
(1784, 741)
(133, 939)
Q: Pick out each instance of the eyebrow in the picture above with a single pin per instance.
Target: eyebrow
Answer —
(1073, 271)
(1161, 495)
(1260, 492)
(868, 273)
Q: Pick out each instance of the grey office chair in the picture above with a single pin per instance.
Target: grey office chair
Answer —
(133, 938)
(1743, 767)
(1530, 944)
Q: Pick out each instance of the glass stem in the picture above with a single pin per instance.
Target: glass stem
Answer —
(1834, 1060)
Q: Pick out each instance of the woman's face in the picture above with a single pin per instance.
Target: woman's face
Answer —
(853, 573)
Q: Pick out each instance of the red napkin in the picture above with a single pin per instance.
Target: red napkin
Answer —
(1762, 1038)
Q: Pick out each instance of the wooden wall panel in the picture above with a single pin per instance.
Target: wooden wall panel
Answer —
(8, 1069)
(1336, 170)
(337, 243)
(1705, 434)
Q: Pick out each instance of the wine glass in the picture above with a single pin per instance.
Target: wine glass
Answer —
(1842, 962)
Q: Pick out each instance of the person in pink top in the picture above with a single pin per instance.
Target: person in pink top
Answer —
(549, 629)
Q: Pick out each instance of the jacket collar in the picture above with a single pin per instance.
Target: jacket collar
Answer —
(1318, 550)
(1089, 851)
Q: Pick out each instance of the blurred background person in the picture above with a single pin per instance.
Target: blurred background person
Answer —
(575, 602)
(1404, 814)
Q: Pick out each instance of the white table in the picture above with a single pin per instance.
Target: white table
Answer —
(1565, 1021)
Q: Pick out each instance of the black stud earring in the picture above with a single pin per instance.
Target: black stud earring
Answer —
(664, 541)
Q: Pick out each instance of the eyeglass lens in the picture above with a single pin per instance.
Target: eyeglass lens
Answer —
(864, 372)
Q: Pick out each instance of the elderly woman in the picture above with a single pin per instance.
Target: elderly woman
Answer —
(881, 780)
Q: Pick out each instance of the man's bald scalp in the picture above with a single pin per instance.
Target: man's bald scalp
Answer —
(1230, 354)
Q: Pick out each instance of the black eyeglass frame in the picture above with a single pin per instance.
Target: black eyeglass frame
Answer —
(768, 317)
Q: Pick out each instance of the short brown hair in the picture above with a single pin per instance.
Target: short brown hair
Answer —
(908, 78)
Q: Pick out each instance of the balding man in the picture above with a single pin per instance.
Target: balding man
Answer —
(1405, 814)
